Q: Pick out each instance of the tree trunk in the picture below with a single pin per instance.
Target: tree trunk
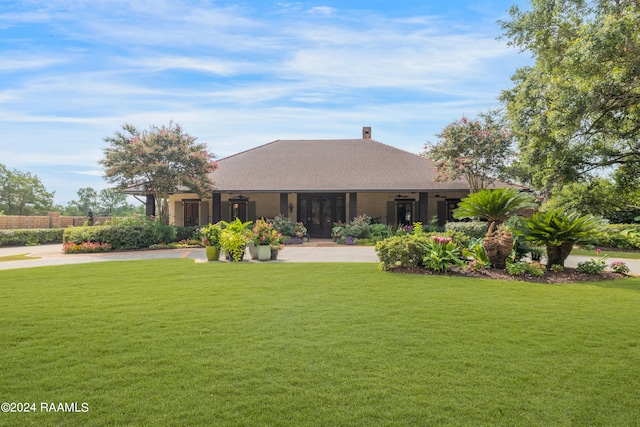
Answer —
(498, 246)
(556, 255)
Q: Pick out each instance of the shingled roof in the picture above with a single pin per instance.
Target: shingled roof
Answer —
(341, 165)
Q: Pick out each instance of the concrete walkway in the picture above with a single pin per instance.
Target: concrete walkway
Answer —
(314, 251)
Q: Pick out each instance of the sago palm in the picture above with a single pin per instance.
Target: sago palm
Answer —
(495, 206)
(559, 230)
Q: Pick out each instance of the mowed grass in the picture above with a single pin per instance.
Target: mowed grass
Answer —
(611, 254)
(171, 342)
(18, 257)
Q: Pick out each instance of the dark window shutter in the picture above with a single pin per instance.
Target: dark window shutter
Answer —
(391, 214)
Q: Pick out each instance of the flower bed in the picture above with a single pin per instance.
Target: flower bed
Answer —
(85, 247)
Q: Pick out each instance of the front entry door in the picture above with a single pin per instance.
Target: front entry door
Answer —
(318, 212)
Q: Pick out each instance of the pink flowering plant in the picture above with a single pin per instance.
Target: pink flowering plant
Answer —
(265, 234)
(440, 252)
(619, 267)
(85, 247)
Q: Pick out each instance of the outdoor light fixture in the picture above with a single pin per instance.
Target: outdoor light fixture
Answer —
(290, 207)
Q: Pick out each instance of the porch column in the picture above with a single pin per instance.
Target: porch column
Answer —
(284, 204)
(216, 212)
(422, 207)
(150, 206)
(353, 206)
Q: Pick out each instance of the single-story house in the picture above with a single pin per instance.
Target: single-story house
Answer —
(322, 182)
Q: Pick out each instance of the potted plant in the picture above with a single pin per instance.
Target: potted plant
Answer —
(277, 242)
(264, 237)
(211, 240)
(234, 238)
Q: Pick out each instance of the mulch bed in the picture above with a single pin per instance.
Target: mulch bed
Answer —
(568, 275)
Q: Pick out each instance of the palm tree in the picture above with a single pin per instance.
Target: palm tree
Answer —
(559, 230)
(495, 206)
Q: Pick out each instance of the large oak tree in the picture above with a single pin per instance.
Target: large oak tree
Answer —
(158, 161)
(576, 110)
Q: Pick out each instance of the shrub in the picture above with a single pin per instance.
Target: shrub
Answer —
(35, 236)
(517, 268)
(593, 266)
(621, 236)
(557, 268)
(401, 251)
(380, 232)
(192, 232)
(534, 269)
(283, 225)
(358, 228)
(473, 229)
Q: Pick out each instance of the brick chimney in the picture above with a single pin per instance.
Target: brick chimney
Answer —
(366, 132)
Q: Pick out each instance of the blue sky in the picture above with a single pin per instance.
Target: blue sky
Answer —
(238, 74)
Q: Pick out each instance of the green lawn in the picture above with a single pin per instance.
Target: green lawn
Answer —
(171, 342)
(611, 254)
(18, 257)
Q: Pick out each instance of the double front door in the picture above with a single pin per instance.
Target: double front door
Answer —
(319, 212)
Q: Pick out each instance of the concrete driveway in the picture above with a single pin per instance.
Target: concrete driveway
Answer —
(315, 251)
(51, 254)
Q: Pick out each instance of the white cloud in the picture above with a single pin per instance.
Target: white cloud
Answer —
(204, 64)
(17, 61)
(322, 10)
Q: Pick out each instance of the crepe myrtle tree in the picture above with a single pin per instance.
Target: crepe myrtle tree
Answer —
(158, 161)
(477, 150)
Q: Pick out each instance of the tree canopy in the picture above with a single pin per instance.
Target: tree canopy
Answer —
(22, 193)
(158, 162)
(477, 150)
(577, 109)
(109, 201)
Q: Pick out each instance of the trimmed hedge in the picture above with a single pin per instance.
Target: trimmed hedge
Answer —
(473, 229)
(621, 236)
(33, 236)
(123, 237)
